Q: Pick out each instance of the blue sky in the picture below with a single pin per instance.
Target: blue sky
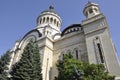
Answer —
(17, 17)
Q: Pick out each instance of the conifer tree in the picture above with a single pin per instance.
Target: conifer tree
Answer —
(29, 66)
(4, 62)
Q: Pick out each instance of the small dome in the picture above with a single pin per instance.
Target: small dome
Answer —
(50, 17)
(90, 4)
(91, 9)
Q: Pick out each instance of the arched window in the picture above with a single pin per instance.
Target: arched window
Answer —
(100, 52)
(57, 23)
(40, 20)
(62, 56)
(76, 53)
(74, 29)
(95, 9)
(54, 21)
(90, 11)
(86, 13)
(47, 20)
(51, 20)
(43, 19)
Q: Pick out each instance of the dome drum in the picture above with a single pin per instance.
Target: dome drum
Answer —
(49, 17)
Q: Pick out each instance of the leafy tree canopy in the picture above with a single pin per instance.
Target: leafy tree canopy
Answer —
(71, 69)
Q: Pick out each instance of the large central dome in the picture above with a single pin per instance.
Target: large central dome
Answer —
(49, 17)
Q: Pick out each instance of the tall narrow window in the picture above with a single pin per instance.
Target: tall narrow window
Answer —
(40, 21)
(51, 20)
(54, 21)
(100, 52)
(63, 56)
(57, 24)
(47, 64)
(76, 52)
(47, 19)
(43, 19)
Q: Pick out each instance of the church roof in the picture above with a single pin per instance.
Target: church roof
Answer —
(71, 28)
(90, 3)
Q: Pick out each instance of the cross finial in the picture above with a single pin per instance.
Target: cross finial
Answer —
(51, 7)
(89, 1)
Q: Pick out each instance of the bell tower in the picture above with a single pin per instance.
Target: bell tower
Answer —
(100, 47)
(91, 9)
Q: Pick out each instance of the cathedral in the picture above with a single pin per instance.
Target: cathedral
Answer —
(88, 41)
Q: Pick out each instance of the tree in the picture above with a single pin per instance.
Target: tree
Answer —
(72, 69)
(4, 62)
(66, 68)
(96, 72)
(29, 66)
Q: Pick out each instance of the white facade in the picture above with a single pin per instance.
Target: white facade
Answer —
(89, 41)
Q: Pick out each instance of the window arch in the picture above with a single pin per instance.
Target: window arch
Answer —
(47, 19)
(54, 21)
(96, 10)
(100, 52)
(86, 13)
(90, 10)
(51, 20)
(57, 23)
(76, 53)
(43, 19)
(40, 20)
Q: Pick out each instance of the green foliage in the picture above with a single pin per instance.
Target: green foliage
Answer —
(4, 61)
(96, 72)
(67, 70)
(66, 67)
(29, 66)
